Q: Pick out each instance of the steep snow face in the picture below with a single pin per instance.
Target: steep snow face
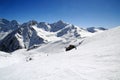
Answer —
(60, 28)
(4, 34)
(32, 34)
(44, 26)
(97, 58)
(73, 31)
(54, 27)
(7, 26)
(69, 30)
(62, 38)
(46, 35)
(24, 37)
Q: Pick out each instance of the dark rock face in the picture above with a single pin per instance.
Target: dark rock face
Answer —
(57, 26)
(70, 47)
(23, 37)
(101, 28)
(71, 29)
(31, 35)
(44, 26)
(9, 44)
(93, 29)
(6, 25)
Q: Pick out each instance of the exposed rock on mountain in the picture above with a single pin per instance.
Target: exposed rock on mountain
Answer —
(32, 34)
(94, 29)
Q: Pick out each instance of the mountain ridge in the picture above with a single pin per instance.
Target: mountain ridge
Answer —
(97, 58)
(33, 34)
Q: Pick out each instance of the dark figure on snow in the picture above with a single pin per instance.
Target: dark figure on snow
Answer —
(29, 59)
(70, 47)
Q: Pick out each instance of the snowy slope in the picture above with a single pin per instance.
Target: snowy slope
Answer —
(32, 34)
(97, 58)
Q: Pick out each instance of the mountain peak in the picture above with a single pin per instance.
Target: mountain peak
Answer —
(60, 21)
(32, 22)
(4, 21)
(58, 25)
(32, 34)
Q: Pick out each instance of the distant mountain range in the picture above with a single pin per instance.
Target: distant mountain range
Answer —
(32, 34)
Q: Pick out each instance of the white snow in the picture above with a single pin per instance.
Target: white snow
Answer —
(49, 36)
(97, 58)
(4, 34)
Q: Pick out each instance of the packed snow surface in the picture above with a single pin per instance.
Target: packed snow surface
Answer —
(97, 58)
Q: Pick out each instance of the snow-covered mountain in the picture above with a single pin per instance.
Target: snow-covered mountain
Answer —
(53, 27)
(24, 37)
(97, 58)
(7, 26)
(33, 34)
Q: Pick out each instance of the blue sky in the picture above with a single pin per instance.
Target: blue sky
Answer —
(84, 13)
